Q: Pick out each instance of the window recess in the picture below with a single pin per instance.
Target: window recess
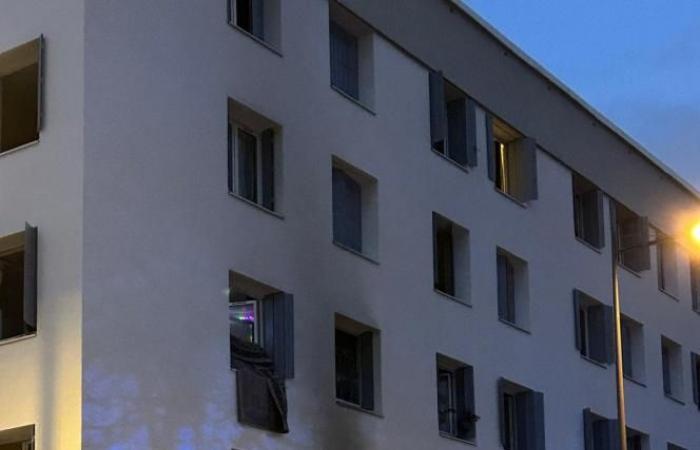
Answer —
(667, 264)
(672, 368)
(452, 121)
(455, 395)
(512, 160)
(512, 289)
(633, 239)
(356, 363)
(254, 157)
(589, 221)
(18, 283)
(695, 372)
(21, 85)
(604, 434)
(21, 438)
(594, 324)
(450, 258)
(521, 417)
(633, 361)
(258, 18)
(261, 339)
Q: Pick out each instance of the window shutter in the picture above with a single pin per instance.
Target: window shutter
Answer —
(267, 141)
(438, 112)
(258, 18)
(577, 319)
(530, 420)
(230, 158)
(30, 277)
(588, 430)
(466, 412)
(502, 263)
(40, 83)
(278, 332)
(695, 371)
(597, 336)
(457, 130)
(637, 258)
(490, 149)
(366, 343)
(594, 223)
(229, 10)
(524, 175)
(501, 410)
(472, 148)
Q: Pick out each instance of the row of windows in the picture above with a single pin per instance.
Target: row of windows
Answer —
(261, 318)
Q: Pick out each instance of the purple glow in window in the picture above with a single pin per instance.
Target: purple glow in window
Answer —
(243, 321)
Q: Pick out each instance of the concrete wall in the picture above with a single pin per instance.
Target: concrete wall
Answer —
(161, 234)
(40, 376)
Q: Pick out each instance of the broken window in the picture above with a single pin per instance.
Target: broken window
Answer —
(261, 339)
(18, 283)
(20, 95)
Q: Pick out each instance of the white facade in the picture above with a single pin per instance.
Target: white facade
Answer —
(138, 233)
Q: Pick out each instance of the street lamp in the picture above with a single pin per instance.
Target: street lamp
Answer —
(693, 236)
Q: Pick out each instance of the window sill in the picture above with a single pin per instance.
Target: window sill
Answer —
(355, 407)
(674, 399)
(455, 299)
(637, 382)
(355, 252)
(589, 245)
(670, 295)
(20, 148)
(593, 361)
(16, 339)
(256, 205)
(510, 197)
(262, 42)
(455, 438)
(353, 100)
(514, 325)
(451, 161)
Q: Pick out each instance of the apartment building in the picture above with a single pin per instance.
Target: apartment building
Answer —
(321, 224)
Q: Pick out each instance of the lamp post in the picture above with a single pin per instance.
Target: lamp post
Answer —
(616, 252)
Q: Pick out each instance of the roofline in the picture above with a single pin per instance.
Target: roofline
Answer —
(517, 51)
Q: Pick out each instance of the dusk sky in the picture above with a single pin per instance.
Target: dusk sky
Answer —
(636, 61)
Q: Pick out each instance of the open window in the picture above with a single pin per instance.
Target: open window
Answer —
(512, 160)
(21, 438)
(452, 121)
(356, 363)
(594, 324)
(450, 258)
(672, 368)
(667, 264)
(258, 18)
(455, 396)
(20, 94)
(633, 239)
(254, 157)
(354, 209)
(18, 283)
(513, 289)
(521, 417)
(633, 361)
(589, 222)
(261, 338)
(351, 55)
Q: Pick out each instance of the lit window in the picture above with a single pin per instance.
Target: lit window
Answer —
(244, 321)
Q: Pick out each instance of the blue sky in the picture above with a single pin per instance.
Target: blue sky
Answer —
(636, 61)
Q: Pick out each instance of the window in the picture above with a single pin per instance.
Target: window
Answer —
(695, 372)
(355, 356)
(521, 417)
(674, 447)
(351, 55)
(672, 368)
(354, 209)
(258, 18)
(604, 434)
(633, 239)
(695, 284)
(450, 258)
(512, 161)
(667, 262)
(513, 296)
(594, 324)
(452, 121)
(18, 283)
(21, 438)
(633, 349)
(589, 223)
(261, 339)
(455, 396)
(637, 440)
(20, 94)
(254, 157)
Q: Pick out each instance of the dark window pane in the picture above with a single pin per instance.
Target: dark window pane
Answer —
(509, 422)
(627, 350)
(583, 330)
(344, 61)
(446, 409)
(12, 294)
(247, 166)
(666, 364)
(506, 289)
(244, 14)
(347, 210)
(444, 259)
(347, 373)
